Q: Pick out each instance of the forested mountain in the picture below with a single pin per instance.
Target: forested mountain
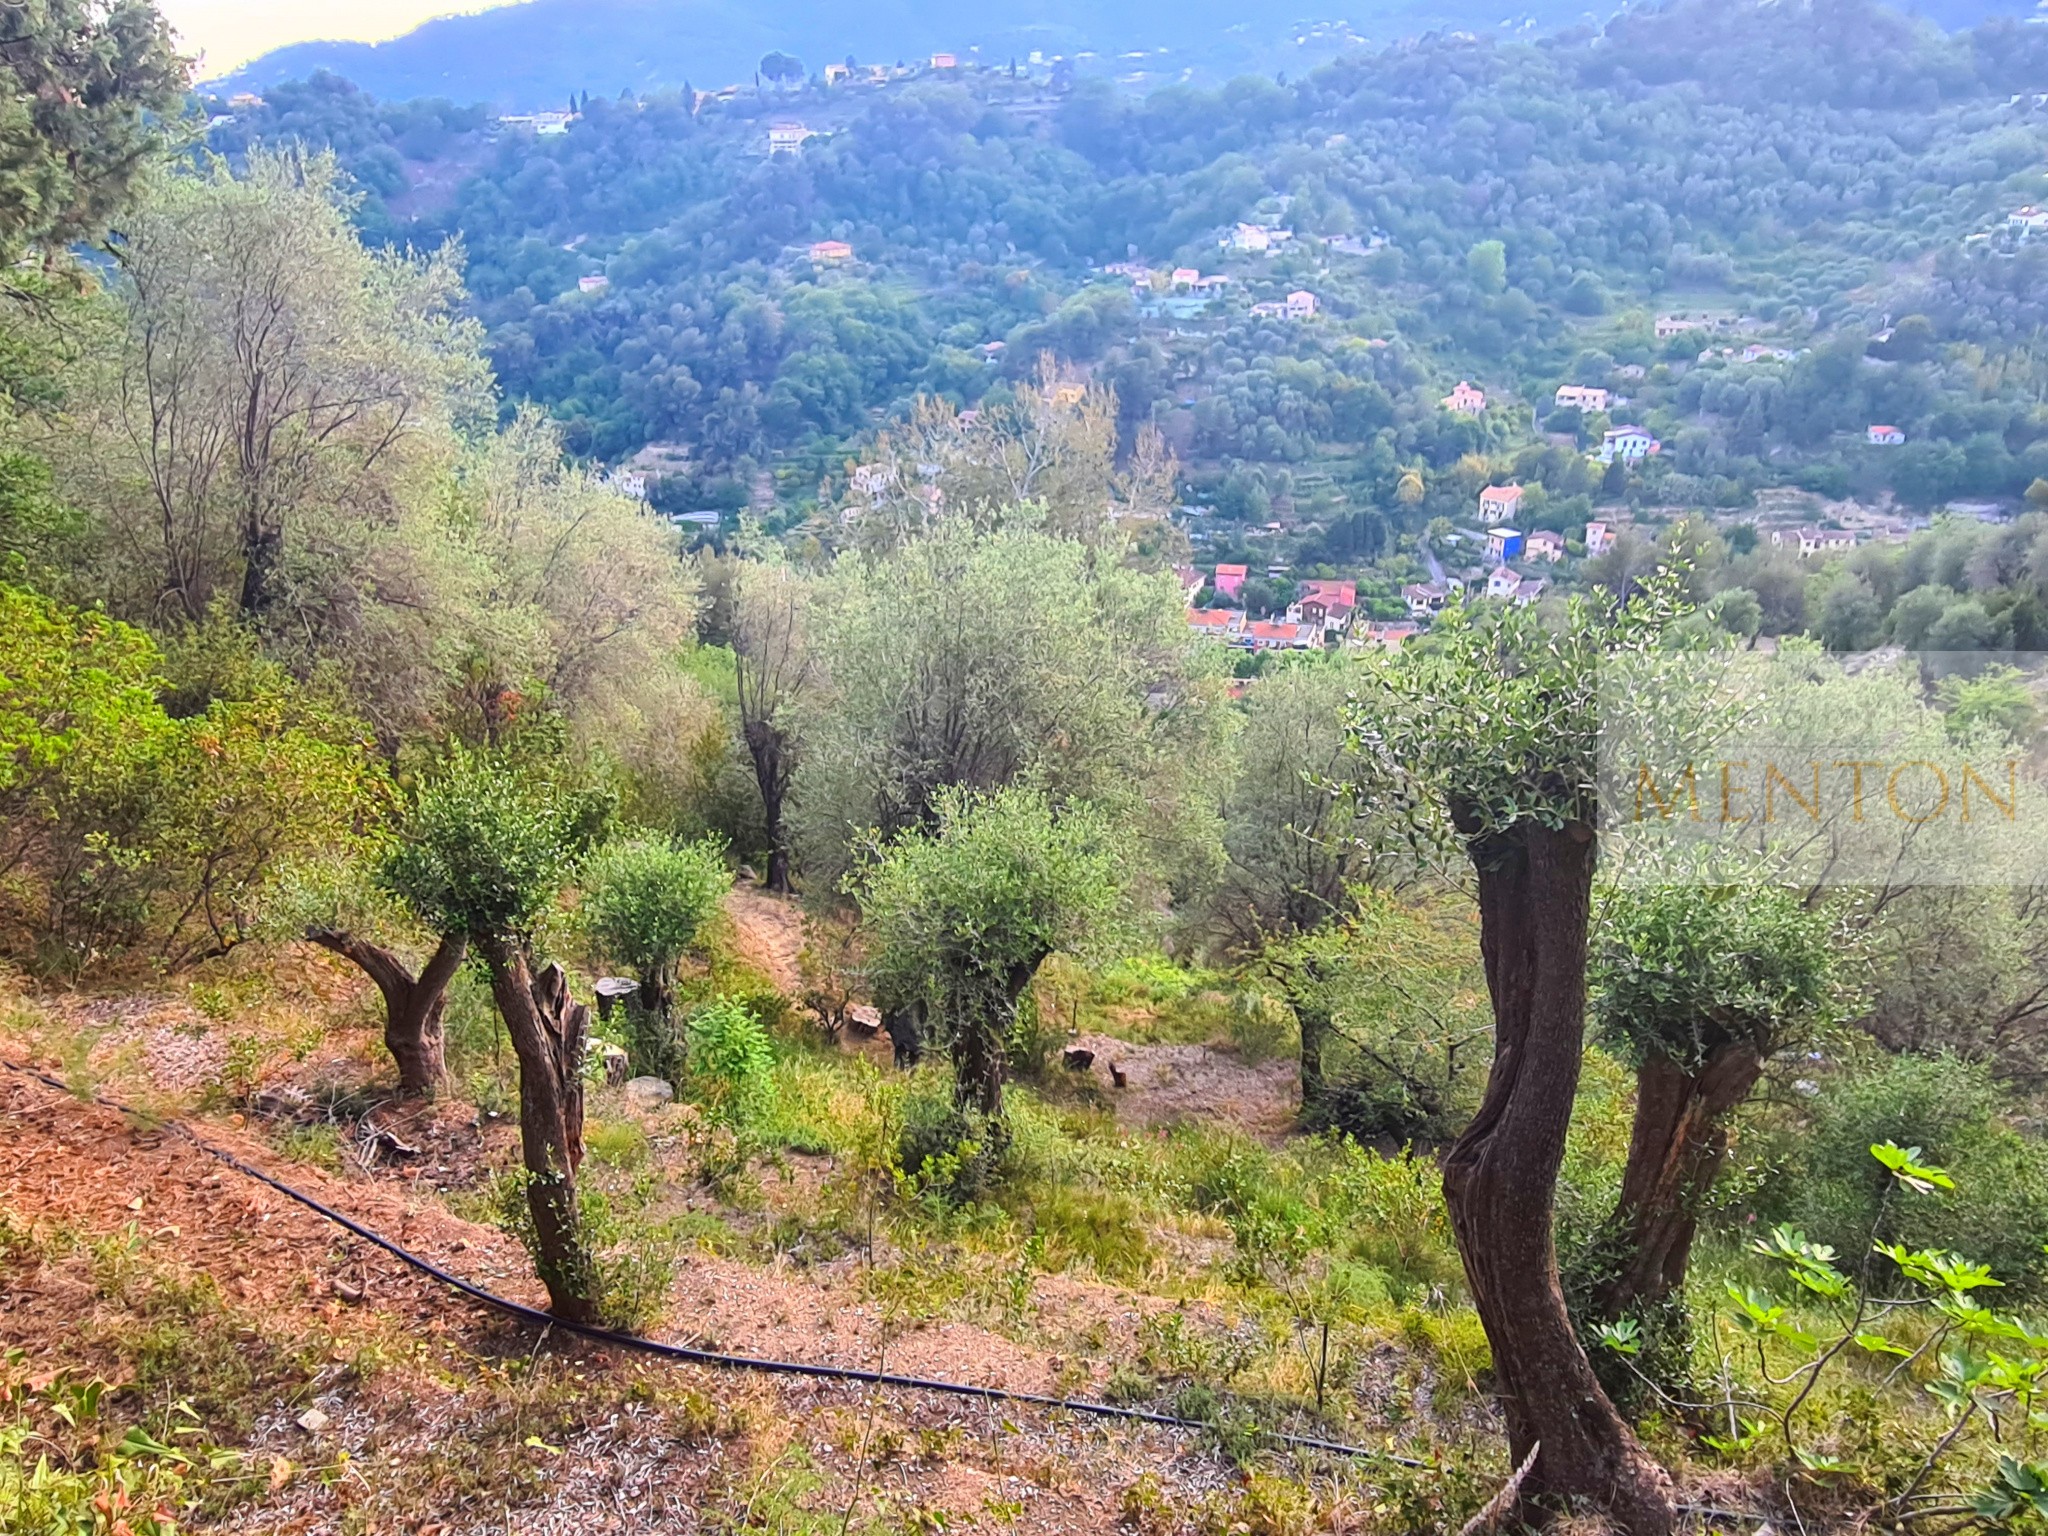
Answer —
(1208, 1052)
(1514, 212)
(534, 54)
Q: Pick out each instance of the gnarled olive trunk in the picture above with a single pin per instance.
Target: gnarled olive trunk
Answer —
(1312, 1013)
(1674, 1155)
(413, 1005)
(904, 1025)
(985, 1009)
(548, 1029)
(1500, 1180)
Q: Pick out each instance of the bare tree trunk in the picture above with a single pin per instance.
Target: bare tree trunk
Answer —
(768, 746)
(1674, 1156)
(1500, 1180)
(548, 1029)
(413, 1005)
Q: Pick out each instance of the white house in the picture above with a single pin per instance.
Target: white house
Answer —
(1503, 582)
(596, 282)
(1500, 503)
(1599, 538)
(628, 482)
(1503, 543)
(1584, 396)
(2024, 221)
(1884, 436)
(1631, 445)
(1528, 589)
(1301, 305)
(1816, 541)
(1545, 545)
(786, 138)
(1428, 598)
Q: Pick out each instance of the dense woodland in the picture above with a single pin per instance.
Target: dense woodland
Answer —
(325, 641)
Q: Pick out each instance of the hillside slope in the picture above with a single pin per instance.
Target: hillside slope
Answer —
(535, 54)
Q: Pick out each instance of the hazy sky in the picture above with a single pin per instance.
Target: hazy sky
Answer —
(231, 32)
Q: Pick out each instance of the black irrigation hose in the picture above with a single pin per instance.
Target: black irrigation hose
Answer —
(538, 1318)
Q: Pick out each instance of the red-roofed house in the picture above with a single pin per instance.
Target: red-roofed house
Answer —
(1325, 602)
(1545, 545)
(1217, 623)
(1885, 436)
(1262, 636)
(1230, 580)
(1190, 579)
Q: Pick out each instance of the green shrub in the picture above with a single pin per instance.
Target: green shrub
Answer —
(945, 1154)
(1826, 1184)
(731, 1063)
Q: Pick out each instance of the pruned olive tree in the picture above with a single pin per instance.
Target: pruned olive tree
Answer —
(1296, 847)
(485, 851)
(772, 669)
(1699, 986)
(336, 903)
(644, 902)
(1494, 726)
(963, 914)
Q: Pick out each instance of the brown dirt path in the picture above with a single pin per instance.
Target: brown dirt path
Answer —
(768, 932)
(618, 1447)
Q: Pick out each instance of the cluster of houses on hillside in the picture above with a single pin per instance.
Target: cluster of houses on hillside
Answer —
(1322, 612)
(1185, 293)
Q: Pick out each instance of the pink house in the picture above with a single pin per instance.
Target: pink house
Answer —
(1465, 400)
(1230, 580)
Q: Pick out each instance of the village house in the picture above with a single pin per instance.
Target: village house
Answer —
(1191, 580)
(1328, 603)
(1631, 445)
(2024, 221)
(1503, 582)
(1884, 436)
(1545, 545)
(1464, 400)
(1217, 623)
(1186, 277)
(1390, 636)
(627, 482)
(1301, 305)
(1260, 635)
(1528, 589)
(1599, 538)
(1500, 503)
(944, 61)
(831, 251)
(1229, 580)
(1426, 599)
(1813, 540)
(1584, 396)
(786, 138)
(1503, 543)
(834, 73)
(596, 282)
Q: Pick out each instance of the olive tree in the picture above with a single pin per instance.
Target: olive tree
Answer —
(963, 914)
(485, 852)
(772, 669)
(336, 903)
(1295, 846)
(1494, 727)
(1700, 986)
(644, 902)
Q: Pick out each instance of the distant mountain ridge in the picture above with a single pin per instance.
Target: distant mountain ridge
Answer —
(535, 53)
